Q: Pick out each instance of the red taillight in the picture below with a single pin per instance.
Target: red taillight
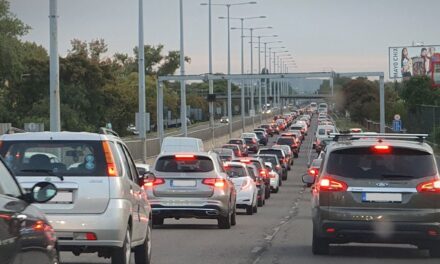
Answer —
(153, 182)
(216, 182)
(382, 149)
(184, 157)
(313, 172)
(263, 173)
(278, 167)
(328, 184)
(111, 165)
(254, 141)
(430, 186)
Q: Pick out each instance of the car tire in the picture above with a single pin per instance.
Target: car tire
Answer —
(280, 182)
(122, 255)
(434, 250)
(234, 218)
(285, 177)
(158, 221)
(276, 190)
(296, 155)
(255, 209)
(260, 202)
(320, 246)
(249, 210)
(224, 222)
(142, 253)
(267, 194)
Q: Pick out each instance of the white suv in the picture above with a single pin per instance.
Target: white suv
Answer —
(101, 205)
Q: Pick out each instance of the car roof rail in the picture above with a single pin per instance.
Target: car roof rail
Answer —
(106, 131)
(13, 130)
(354, 136)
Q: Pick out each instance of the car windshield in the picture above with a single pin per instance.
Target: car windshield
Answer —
(238, 142)
(235, 171)
(365, 163)
(192, 164)
(45, 158)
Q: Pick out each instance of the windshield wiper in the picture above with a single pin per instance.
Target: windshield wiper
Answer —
(385, 176)
(48, 172)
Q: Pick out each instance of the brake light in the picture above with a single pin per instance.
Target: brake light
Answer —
(111, 165)
(153, 182)
(263, 173)
(278, 167)
(216, 182)
(432, 186)
(313, 172)
(328, 184)
(184, 157)
(382, 149)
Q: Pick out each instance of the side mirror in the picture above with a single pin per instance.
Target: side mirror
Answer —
(43, 191)
(307, 179)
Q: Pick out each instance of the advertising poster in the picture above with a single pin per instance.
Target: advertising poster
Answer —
(405, 62)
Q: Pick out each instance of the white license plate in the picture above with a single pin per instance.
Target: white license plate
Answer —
(183, 183)
(382, 197)
(62, 197)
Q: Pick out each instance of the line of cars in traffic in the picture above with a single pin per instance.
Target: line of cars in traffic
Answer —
(83, 192)
(370, 187)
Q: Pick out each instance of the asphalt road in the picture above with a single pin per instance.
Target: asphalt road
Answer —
(281, 232)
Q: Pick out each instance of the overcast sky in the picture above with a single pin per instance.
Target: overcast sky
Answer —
(344, 35)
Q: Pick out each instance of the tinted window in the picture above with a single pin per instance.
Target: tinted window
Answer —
(196, 164)
(67, 158)
(277, 152)
(365, 163)
(235, 171)
(239, 142)
(285, 141)
(249, 140)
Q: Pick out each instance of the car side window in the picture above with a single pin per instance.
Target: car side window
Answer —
(7, 184)
(131, 164)
(125, 162)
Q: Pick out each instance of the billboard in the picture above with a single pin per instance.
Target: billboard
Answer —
(405, 62)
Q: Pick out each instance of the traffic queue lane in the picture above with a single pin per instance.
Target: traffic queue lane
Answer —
(200, 241)
(281, 232)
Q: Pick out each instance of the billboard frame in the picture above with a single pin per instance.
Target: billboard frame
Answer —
(401, 47)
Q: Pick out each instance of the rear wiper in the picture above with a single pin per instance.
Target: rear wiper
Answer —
(396, 176)
(48, 172)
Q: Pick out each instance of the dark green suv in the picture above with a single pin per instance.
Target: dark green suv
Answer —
(382, 188)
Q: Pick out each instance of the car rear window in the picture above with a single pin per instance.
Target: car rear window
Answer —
(238, 142)
(365, 163)
(296, 128)
(235, 171)
(66, 158)
(187, 164)
(233, 147)
(270, 159)
(285, 141)
(277, 152)
(249, 140)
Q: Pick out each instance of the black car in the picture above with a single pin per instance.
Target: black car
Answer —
(263, 140)
(25, 234)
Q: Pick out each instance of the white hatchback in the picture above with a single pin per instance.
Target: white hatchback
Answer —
(245, 185)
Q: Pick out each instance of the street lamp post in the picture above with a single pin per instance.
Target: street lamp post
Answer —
(55, 117)
(211, 84)
(182, 82)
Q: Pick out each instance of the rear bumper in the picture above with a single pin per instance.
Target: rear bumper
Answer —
(379, 232)
(207, 211)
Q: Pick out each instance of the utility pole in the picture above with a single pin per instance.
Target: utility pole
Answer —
(141, 69)
(182, 73)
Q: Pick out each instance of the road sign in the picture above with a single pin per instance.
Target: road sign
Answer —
(396, 117)
(34, 127)
(397, 125)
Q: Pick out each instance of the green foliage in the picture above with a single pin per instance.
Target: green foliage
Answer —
(418, 90)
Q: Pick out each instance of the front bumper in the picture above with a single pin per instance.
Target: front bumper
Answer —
(379, 232)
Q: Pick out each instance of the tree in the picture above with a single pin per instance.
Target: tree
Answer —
(418, 90)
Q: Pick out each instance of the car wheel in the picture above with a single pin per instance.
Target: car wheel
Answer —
(224, 222)
(249, 210)
(123, 255)
(255, 209)
(158, 221)
(234, 217)
(285, 177)
(280, 182)
(320, 246)
(260, 202)
(434, 250)
(289, 168)
(276, 190)
(142, 253)
(296, 155)
(267, 194)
